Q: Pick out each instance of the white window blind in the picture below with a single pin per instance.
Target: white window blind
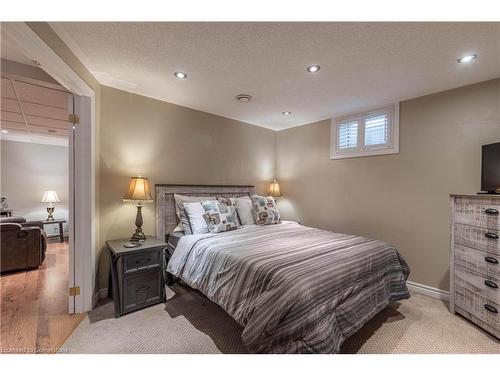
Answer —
(348, 135)
(375, 132)
(376, 128)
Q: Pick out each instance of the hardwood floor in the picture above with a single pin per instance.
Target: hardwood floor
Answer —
(34, 312)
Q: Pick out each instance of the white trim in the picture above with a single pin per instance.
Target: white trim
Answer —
(429, 291)
(33, 47)
(393, 142)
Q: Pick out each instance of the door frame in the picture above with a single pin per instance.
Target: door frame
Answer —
(83, 229)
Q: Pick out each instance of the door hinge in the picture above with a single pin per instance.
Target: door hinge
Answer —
(74, 119)
(74, 291)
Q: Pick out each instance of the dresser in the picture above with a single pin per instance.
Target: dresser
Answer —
(137, 274)
(475, 258)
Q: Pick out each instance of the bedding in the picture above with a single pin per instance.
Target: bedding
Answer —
(219, 216)
(184, 224)
(244, 209)
(231, 202)
(265, 210)
(195, 212)
(294, 289)
(173, 240)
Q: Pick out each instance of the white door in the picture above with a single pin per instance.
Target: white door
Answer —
(80, 217)
(71, 169)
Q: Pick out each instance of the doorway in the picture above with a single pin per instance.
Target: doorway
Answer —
(82, 233)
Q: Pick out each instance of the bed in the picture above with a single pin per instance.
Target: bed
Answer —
(293, 288)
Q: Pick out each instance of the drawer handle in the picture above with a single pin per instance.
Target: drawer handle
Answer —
(142, 288)
(491, 211)
(491, 260)
(143, 261)
(493, 236)
(491, 309)
(491, 284)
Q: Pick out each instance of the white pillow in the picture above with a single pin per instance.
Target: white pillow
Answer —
(180, 199)
(195, 212)
(243, 207)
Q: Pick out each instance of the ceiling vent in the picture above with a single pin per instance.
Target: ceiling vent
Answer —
(243, 98)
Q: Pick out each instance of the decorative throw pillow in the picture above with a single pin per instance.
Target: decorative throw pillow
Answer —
(195, 212)
(265, 210)
(230, 202)
(219, 217)
(244, 209)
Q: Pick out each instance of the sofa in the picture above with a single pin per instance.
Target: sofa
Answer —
(22, 244)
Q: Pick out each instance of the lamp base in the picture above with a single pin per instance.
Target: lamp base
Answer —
(139, 235)
(50, 210)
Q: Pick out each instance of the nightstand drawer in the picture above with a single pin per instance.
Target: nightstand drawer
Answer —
(143, 260)
(142, 289)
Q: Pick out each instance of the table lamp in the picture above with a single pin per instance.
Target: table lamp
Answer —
(138, 191)
(50, 197)
(274, 190)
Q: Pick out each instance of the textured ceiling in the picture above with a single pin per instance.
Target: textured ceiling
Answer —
(362, 64)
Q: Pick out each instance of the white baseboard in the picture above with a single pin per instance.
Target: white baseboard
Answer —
(429, 291)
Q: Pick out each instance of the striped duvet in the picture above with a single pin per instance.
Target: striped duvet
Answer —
(294, 289)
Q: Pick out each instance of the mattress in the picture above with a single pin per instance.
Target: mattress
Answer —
(173, 240)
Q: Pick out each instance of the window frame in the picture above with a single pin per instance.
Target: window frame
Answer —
(391, 147)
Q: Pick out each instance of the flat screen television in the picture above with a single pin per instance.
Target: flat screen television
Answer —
(490, 168)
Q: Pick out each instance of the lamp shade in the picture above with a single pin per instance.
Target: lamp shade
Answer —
(274, 189)
(50, 196)
(138, 190)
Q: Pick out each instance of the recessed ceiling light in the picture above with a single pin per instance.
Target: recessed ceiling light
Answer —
(180, 75)
(243, 98)
(4, 131)
(286, 113)
(313, 68)
(466, 59)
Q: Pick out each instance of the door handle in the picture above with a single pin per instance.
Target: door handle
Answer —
(143, 261)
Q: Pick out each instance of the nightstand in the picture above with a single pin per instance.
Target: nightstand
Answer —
(137, 274)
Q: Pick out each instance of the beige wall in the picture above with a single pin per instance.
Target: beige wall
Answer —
(171, 144)
(400, 198)
(27, 171)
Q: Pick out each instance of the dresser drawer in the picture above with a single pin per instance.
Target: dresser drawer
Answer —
(486, 264)
(488, 287)
(477, 238)
(141, 261)
(483, 213)
(485, 312)
(141, 289)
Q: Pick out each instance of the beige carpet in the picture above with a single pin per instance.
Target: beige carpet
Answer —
(190, 323)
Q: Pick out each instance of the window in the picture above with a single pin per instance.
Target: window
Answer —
(371, 133)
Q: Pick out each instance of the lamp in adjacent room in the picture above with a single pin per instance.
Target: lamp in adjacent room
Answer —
(138, 191)
(50, 197)
(274, 190)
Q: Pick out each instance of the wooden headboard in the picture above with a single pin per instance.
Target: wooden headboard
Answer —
(166, 219)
